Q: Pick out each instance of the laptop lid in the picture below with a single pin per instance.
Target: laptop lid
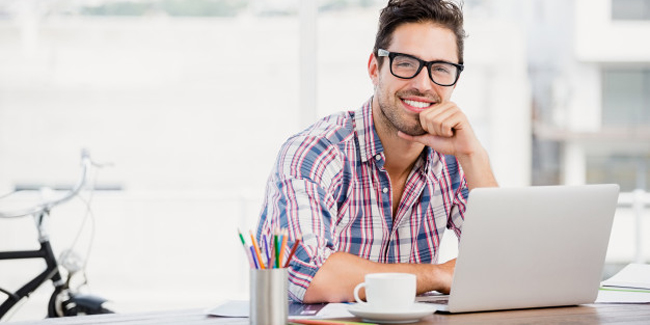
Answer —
(532, 247)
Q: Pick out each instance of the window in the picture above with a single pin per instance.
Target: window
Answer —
(626, 98)
(628, 171)
(631, 9)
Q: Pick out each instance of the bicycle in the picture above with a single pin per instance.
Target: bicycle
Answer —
(65, 300)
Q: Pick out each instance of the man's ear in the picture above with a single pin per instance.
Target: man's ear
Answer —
(373, 69)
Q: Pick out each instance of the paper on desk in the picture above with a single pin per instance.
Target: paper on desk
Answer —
(636, 276)
(334, 310)
(622, 296)
(240, 308)
(230, 308)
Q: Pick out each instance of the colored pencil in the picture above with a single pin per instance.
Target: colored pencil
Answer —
(266, 251)
(325, 322)
(257, 251)
(272, 252)
(246, 250)
(256, 265)
(283, 247)
(276, 249)
(293, 251)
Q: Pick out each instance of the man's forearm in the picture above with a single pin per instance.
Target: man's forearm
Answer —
(336, 279)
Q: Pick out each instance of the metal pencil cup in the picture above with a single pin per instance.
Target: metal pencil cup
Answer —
(269, 297)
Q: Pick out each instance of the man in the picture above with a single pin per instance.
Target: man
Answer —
(373, 190)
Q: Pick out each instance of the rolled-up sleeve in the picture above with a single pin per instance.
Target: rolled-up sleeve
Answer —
(459, 193)
(299, 198)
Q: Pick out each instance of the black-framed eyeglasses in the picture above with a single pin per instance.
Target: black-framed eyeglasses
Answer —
(407, 66)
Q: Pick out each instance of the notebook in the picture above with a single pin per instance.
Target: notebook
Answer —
(531, 247)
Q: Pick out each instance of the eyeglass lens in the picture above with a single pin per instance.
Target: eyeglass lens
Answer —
(441, 73)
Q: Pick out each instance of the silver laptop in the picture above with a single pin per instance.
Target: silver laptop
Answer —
(531, 247)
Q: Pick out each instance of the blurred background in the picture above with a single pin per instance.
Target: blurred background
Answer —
(191, 99)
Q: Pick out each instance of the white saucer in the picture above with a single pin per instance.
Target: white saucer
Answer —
(411, 315)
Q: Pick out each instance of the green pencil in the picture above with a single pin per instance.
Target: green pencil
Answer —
(246, 249)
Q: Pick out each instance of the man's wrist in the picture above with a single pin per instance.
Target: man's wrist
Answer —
(474, 157)
(477, 169)
(441, 276)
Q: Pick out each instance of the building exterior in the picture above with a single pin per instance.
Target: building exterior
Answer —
(592, 100)
(589, 64)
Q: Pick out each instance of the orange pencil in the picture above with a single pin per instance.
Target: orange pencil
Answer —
(283, 246)
(293, 251)
(257, 251)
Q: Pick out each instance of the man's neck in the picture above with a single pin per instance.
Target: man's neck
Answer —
(400, 154)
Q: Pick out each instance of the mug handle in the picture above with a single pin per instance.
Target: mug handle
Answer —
(356, 292)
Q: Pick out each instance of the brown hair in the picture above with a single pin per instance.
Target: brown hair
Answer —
(445, 13)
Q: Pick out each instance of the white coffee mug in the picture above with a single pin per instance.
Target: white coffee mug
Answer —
(388, 291)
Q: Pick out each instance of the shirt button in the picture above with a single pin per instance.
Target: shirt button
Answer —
(378, 157)
(385, 190)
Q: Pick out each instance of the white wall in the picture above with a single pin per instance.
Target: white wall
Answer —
(495, 92)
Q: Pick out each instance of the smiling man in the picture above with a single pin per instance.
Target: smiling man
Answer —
(373, 190)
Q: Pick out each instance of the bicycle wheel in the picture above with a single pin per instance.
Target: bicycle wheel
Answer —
(54, 305)
(65, 303)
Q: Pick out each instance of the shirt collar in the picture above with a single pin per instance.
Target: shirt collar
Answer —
(430, 156)
(369, 142)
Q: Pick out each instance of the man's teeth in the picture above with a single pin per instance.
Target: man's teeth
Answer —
(416, 104)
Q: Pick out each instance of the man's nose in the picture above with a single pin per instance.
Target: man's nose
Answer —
(422, 81)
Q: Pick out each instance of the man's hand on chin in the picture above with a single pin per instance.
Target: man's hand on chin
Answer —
(449, 133)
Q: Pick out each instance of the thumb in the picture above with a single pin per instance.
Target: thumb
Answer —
(405, 136)
(425, 139)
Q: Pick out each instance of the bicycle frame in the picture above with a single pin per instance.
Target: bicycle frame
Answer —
(51, 272)
(72, 302)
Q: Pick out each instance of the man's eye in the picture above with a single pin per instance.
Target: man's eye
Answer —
(405, 64)
(440, 69)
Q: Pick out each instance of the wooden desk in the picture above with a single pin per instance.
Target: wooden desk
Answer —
(586, 314)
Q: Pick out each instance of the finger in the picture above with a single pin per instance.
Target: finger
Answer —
(436, 142)
(424, 139)
(445, 124)
(431, 119)
(440, 144)
(450, 124)
(439, 121)
(447, 119)
(405, 136)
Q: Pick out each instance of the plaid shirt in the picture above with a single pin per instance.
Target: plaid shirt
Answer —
(329, 185)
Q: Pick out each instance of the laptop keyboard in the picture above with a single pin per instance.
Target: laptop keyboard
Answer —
(434, 298)
(437, 302)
